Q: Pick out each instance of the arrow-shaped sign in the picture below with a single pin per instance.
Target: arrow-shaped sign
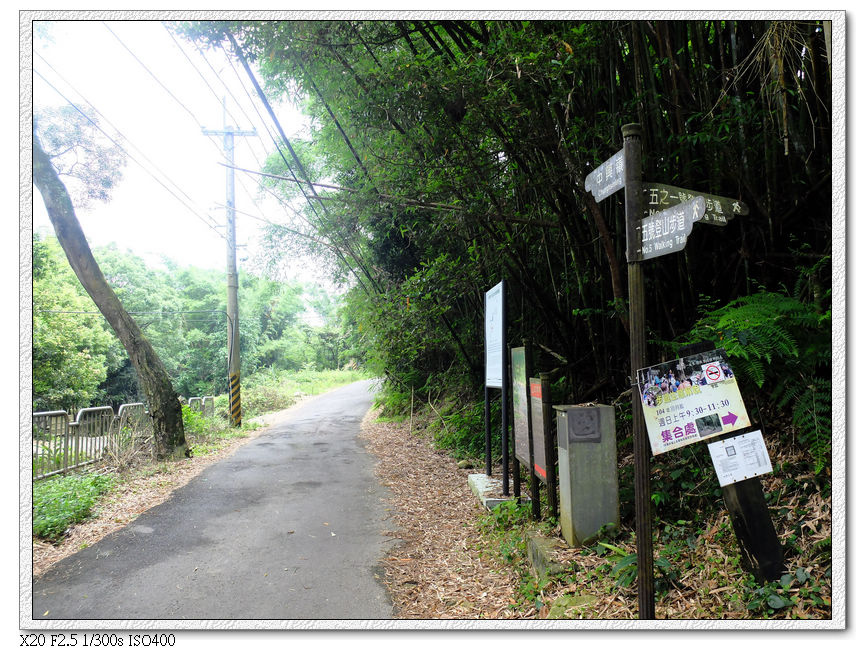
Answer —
(607, 178)
(730, 418)
(667, 231)
(719, 209)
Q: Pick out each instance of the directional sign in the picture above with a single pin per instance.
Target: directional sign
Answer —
(719, 209)
(690, 399)
(609, 177)
(667, 231)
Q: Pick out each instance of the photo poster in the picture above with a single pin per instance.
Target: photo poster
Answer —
(539, 433)
(740, 457)
(519, 384)
(494, 330)
(690, 399)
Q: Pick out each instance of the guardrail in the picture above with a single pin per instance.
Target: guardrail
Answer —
(61, 444)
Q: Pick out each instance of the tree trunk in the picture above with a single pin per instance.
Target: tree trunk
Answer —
(169, 439)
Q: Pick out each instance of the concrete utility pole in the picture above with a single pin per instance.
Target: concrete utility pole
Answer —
(228, 133)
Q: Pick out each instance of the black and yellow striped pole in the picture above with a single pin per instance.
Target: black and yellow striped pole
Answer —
(234, 398)
(228, 134)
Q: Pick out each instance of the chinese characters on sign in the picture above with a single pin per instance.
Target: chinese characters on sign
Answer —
(608, 177)
(690, 399)
(740, 457)
(667, 231)
(719, 209)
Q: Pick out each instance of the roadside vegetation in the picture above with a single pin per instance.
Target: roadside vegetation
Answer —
(61, 502)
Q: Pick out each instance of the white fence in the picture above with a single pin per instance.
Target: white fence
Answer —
(61, 444)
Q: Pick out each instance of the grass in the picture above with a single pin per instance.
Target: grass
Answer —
(60, 502)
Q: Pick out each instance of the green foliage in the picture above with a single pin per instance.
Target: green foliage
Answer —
(463, 430)
(783, 346)
(60, 502)
(775, 599)
(77, 360)
(72, 353)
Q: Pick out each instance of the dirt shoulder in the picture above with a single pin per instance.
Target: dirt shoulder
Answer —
(440, 568)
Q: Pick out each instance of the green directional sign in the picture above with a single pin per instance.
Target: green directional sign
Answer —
(719, 209)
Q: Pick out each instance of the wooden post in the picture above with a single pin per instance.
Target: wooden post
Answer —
(637, 320)
(762, 555)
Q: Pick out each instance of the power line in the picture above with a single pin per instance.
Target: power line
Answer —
(119, 145)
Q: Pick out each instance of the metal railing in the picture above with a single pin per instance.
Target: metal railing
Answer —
(61, 444)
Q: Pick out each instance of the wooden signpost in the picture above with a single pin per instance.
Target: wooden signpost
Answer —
(658, 220)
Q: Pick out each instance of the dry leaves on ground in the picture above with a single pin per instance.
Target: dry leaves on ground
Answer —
(437, 570)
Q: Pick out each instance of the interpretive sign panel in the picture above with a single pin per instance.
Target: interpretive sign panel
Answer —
(667, 231)
(539, 434)
(740, 457)
(521, 406)
(609, 177)
(494, 329)
(719, 209)
(690, 399)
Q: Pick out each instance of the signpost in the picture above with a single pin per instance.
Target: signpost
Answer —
(521, 369)
(719, 209)
(608, 178)
(667, 231)
(543, 445)
(496, 370)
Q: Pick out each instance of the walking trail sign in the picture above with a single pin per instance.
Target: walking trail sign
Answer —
(719, 209)
(667, 231)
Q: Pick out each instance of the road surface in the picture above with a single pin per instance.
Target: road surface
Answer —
(289, 527)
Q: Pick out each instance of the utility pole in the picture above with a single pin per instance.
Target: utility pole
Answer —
(228, 133)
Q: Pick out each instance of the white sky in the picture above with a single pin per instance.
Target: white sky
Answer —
(162, 128)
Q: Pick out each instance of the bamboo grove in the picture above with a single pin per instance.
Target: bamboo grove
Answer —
(449, 154)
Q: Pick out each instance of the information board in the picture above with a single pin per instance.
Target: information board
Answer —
(539, 433)
(494, 328)
(740, 457)
(521, 406)
(690, 399)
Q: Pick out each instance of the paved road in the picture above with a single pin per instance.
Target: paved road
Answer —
(289, 527)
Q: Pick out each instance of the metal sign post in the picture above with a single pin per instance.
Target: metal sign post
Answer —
(496, 362)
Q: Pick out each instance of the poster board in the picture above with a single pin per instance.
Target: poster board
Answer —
(494, 328)
(539, 432)
(519, 384)
(740, 457)
(690, 399)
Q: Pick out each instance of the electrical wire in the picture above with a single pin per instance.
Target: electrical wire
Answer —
(119, 145)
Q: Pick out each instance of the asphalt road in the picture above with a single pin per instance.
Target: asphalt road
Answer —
(289, 527)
